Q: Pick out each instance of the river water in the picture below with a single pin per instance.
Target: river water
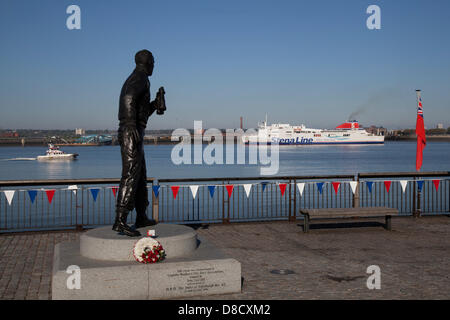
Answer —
(105, 162)
(34, 208)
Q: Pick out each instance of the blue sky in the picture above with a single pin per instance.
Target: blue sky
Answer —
(311, 62)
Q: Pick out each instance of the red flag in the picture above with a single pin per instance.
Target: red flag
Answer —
(229, 189)
(436, 184)
(175, 191)
(336, 186)
(420, 132)
(282, 188)
(114, 190)
(50, 194)
(387, 184)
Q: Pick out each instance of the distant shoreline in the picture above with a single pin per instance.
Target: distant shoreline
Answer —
(42, 142)
(443, 138)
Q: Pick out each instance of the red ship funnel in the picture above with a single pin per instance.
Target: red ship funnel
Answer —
(349, 125)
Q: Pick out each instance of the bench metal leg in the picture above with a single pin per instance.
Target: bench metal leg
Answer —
(388, 223)
(306, 223)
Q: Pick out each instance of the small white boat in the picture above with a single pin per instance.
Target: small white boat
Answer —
(53, 153)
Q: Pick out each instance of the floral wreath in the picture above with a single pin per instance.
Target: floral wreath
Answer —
(148, 250)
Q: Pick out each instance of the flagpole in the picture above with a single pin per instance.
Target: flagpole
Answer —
(418, 93)
(421, 142)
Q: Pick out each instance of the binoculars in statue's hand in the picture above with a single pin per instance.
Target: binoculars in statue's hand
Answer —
(160, 102)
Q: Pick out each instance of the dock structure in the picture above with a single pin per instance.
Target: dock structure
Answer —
(262, 229)
(279, 261)
(85, 203)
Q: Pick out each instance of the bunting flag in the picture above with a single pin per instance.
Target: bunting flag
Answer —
(32, 194)
(320, 186)
(175, 190)
(193, 191)
(282, 187)
(420, 132)
(74, 188)
(336, 186)
(94, 193)
(211, 190)
(403, 183)
(50, 194)
(9, 194)
(387, 184)
(229, 189)
(436, 184)
(420, 184)
(263, 186)
(353, 185)
(247, 188)
(300, 187)
(156, 190)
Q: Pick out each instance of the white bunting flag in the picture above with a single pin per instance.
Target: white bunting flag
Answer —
(9, 194)
(353, 185)
(247, 188)
(74, 188)
(300, 187)
(403, 183)
(193, 191)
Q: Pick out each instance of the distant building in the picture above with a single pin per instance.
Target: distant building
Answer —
(10, 134)
(379, 131)
(80, 132)
(440, 126)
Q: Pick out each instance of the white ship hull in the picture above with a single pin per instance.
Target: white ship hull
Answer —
(285, 134)
(67, 156)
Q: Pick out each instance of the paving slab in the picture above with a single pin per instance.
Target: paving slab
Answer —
(328, 263)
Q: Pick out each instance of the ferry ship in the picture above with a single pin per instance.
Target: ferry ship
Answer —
(53, 153)
(284, 134)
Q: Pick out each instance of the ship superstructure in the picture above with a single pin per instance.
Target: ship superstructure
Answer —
(282, 133)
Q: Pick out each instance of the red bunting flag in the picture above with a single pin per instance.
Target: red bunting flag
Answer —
(336, 186)
(387, 184)
(175, 190)
(436, 184)
(114, 190)
(282, 188)
(50, 194)
(229, 189)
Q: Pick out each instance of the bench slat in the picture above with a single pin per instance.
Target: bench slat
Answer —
(349, 212)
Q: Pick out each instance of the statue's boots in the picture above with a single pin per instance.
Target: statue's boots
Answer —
(142, 220)
(120, 225)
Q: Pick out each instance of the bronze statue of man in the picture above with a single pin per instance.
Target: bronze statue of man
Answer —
(135, 107)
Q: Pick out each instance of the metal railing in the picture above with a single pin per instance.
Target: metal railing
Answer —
(422, 195)
(265, 200)
(53, 204)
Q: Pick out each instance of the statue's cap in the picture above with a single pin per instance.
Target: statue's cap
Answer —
(143, 57)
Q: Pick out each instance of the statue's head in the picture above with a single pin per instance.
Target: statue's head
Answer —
(144, 60)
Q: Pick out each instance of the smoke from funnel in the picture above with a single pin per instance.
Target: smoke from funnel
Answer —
(356, 113)
(375, 101)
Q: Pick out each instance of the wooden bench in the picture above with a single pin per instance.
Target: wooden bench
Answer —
(366, 212)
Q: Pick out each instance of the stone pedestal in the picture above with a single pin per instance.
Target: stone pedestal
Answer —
(193, 267)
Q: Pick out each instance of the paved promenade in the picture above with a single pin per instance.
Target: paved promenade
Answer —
(328, 263)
